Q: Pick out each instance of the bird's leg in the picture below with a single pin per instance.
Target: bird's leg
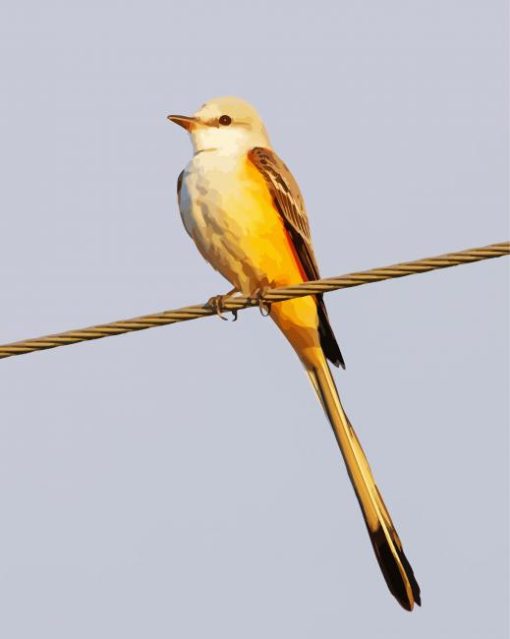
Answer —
(217, 304)
(258, 296)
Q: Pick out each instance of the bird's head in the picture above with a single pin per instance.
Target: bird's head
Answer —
(229, 125)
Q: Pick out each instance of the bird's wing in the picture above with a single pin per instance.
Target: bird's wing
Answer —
(179, 185)
(289, 203)
(184, 205)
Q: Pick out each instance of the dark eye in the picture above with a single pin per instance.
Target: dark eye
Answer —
(225, 120)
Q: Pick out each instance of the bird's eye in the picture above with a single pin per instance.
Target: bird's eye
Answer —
(225, 120)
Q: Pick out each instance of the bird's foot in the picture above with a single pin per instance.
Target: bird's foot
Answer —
(217, 304)
(258, 297)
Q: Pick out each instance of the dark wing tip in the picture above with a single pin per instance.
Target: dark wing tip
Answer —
(339, 362)
(327, 337)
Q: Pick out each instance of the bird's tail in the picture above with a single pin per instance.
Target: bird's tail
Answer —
(388, 549)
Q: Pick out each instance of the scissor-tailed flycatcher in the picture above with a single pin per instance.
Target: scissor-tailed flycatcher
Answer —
(244, 210)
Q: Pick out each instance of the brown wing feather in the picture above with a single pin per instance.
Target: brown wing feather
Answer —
(179, 184)
(289, 203)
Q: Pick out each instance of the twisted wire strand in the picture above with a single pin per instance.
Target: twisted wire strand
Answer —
(240, 302)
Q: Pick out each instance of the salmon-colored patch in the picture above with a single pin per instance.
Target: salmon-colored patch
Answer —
(295, 256)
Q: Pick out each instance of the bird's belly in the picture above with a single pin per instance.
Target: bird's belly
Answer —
(231, 217)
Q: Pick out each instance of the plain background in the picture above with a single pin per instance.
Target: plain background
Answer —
(183, 482)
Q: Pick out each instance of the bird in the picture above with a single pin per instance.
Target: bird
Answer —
(244, 211)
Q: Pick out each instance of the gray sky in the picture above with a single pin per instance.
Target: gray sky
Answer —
(183, 481)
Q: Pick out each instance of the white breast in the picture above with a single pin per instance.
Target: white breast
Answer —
(227, 215)
(210, 183)
(208, 179)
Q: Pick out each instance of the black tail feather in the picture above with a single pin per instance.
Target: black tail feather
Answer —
(391, 572)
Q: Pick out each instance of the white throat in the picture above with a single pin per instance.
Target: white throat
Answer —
(234, 140)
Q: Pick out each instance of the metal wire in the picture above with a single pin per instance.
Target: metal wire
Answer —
(240, 302)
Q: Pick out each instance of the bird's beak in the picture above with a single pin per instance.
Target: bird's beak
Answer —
(185, 121)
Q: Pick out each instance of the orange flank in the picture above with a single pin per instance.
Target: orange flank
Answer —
(273, 244)
(274, 250)
(292, 247)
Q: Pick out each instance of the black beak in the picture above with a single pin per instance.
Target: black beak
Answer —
(183, 120)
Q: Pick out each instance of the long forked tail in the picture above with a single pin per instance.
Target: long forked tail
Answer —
(388, 549)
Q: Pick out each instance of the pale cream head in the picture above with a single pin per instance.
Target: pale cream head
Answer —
(229, 125)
